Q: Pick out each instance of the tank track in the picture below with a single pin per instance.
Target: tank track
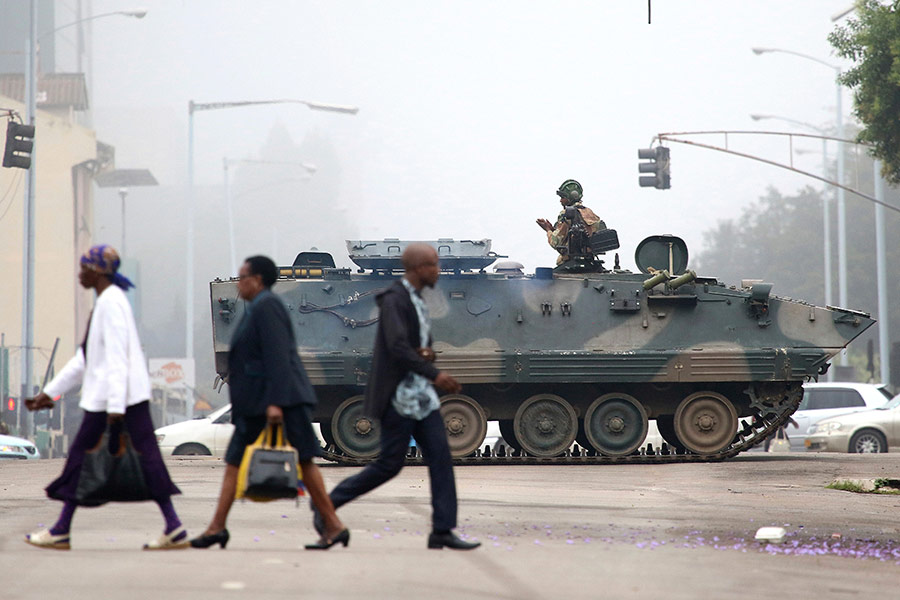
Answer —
(771, 413)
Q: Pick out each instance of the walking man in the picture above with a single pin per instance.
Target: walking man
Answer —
(400, 394)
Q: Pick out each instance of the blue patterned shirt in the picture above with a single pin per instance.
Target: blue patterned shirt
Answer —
(415, 396)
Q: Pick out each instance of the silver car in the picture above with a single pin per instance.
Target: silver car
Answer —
(825, 400)
(862, 432)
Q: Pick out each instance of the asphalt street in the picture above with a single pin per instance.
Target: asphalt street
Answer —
(611, 531)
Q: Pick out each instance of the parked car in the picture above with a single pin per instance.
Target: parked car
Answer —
(13, 447)
(863, 432)
(205, 436)
(825, 400)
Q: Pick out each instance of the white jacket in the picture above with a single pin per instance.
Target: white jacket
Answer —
(115, 375)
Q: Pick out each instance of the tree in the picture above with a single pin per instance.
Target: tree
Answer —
(872, 42)
(777, 239)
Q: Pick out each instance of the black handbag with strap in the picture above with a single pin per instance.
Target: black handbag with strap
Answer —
(111, 472)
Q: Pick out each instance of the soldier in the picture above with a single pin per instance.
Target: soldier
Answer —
(570, 194)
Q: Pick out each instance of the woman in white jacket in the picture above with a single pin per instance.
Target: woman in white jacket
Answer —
(115, 389)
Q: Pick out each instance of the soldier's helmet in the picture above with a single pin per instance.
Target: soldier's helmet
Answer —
(570, 190)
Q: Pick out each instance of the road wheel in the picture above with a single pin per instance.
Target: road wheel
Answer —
(354, 434)
(615, 424)
(191, 449)
(705, 422)
(545, 425)
(465, 422)
(868, 441)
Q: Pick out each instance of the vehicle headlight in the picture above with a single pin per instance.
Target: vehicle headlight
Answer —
(825, 427)
(160, 437)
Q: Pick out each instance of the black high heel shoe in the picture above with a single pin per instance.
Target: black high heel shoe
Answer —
(324, 543)
(205, 541)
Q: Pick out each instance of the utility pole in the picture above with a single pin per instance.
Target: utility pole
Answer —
(28, 229)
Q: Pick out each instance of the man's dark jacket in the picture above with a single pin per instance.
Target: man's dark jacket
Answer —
(395, 352)
(263, 365)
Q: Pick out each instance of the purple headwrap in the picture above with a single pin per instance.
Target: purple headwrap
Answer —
(104, 259)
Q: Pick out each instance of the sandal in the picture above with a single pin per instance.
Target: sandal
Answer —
(174, 540)
(45, 539)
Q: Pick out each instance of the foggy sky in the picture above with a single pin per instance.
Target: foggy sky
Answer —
(472, 113)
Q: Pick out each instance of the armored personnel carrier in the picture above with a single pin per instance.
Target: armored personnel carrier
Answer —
(572, 362)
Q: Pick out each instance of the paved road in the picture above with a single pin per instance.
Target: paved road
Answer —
(648, 531)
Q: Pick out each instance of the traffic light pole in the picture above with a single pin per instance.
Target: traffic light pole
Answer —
(28, 231)
(668, 137)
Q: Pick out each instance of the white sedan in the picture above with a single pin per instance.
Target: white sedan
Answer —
(205, 436)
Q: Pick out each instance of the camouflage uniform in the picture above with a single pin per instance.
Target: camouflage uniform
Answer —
(558, 236)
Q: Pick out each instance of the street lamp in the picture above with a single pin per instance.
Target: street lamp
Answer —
(201, 106)
(826, 209)
(31, 48)
(137, 13)
(841, 212)
(226, 162)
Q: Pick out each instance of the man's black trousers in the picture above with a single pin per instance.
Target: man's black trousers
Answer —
(431, 436)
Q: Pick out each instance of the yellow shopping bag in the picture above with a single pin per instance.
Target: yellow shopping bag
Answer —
(269, 469)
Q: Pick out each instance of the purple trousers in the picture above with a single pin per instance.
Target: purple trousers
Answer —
(140, 427)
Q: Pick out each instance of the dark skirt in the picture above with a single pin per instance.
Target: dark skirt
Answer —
(298, 430)
(140, 428)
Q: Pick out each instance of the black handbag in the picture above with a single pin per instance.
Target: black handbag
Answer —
(271, 467)
(112, 474)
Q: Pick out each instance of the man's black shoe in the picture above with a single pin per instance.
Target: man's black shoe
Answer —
(449, 540)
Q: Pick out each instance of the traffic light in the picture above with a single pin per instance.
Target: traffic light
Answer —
(19, 143)
(658, 165)
(8, 412)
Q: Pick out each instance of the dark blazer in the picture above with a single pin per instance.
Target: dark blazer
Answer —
(263, 365)
(395, 353)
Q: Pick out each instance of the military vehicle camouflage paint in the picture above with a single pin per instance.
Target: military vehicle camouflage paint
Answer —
(560, 357)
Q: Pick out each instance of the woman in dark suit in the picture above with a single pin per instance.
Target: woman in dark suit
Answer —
(268, 384)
